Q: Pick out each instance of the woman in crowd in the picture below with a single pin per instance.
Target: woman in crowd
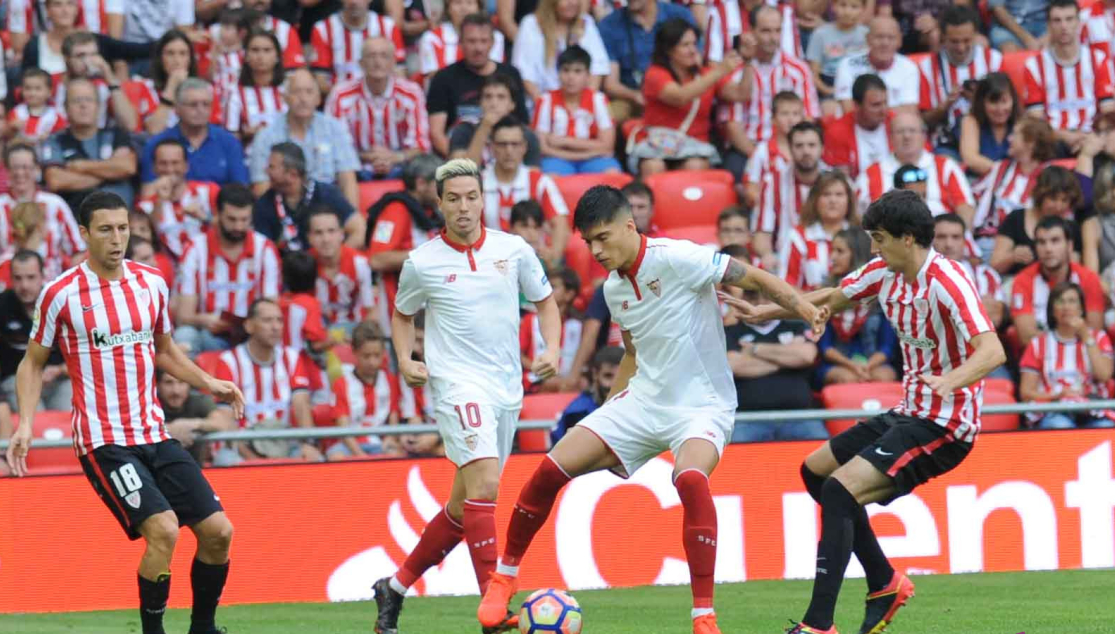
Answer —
(172, 61)
(555, 25)
(859, 343)
(680, 93)
(986, 130)
(142, 225)
(829, 209)
(1069, 362)
(259, 95)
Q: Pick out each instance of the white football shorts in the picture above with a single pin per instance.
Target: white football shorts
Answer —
(637, 429)
(472, 431)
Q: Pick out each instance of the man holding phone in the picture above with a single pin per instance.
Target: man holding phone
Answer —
(949, 77)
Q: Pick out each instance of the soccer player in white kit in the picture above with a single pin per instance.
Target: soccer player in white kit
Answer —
(948, 346)
(469, 280)
(676, 392)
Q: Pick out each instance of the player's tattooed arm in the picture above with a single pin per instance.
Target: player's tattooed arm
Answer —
(735, 273)
(788, 303)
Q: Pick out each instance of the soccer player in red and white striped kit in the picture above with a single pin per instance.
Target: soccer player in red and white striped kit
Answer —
(110, 316)
(948, 346)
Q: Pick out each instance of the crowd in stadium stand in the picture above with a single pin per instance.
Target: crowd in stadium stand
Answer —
(279, 157)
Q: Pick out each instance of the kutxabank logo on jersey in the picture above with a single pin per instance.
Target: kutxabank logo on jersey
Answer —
(105, 340)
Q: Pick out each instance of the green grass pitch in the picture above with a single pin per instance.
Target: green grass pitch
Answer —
(1068, 602)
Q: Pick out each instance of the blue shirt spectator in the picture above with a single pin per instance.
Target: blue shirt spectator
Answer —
(602, 372)
(629, 43)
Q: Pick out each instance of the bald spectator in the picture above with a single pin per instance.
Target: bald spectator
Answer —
(325, 140)
(386, 114)
(214, 154)
(882, 58)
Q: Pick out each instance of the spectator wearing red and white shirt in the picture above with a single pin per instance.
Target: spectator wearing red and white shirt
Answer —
(948, 77)
(507, 181)
(60, 240)
(804, 260)
(1070, 362)
(1067, 82)
(290, 43)
(35, 119)
(573, 123)
(949, 239)
(180, 209)
(947, 187)
(567, 286)
(728, 19)
(303, 324)
(223, 271)
(1031, 287)
(398, 223)
(344, 277)
(882, 58)
(770, 155)
(105, 17)
(858, 139)
(258, 97)
(274, 379)
(1007, 186)
(85, 61)
(172, 61)
(338, 39)
(366, 394)
(440, 46)
(783, 194)
(386, 114)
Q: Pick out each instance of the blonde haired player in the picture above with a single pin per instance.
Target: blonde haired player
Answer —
(675, 393)
(469, 280)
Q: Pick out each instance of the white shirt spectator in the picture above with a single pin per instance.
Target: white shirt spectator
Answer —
(147, 20)
(528, 54)
(902, 78)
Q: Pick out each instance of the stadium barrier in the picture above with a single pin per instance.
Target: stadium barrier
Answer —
(318, 532)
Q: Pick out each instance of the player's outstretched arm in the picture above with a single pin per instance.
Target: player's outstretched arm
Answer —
(170, 359)
(987, 354)
(791, 303)
(402, 336)
(29, 388)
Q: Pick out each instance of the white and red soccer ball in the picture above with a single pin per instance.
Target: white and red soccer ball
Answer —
(550, 610)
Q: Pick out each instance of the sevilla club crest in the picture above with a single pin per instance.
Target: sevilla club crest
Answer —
(655, 287)
(501, 266)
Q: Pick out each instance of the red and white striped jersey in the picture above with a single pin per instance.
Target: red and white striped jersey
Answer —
(987, 280)
(804, 259)
(337, 47)
(177, 229)
(1064, 364)
(553, 116)
(532, 344)
(250, 106)
(726, 20)
(302, 320)
(1069, 94)
(346, 296)
(1001, 191)
(852, 148)
(1098, 26)
(946, 189)
(935, 315)
(1030, 291)
(939, 77)
(226, 76)
(61, 237)
(767, 157)
(529, 183)
(289, 41)
(221, 284)
(415, 403)
(92, 16)
(36, 126)
(106, 330)
(783, 73)
(440, 47)
(780, 201)
(267, 388)
(104, 101)
(366, 404)
(394, 230)
(397, 119)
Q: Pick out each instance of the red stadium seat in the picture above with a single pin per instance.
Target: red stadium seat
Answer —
(700, 234)
(372, 191)
(573, 187)
(858, 396)
(1003, 386)
(684, 198)
(344, 353)
(51, 426)
(1014, 65)
(579, 258)
(208, 361)
(995, 394)
(541, 407)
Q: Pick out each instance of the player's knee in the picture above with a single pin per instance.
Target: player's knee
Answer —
(219, 539)
(486, 489)
(161, 531)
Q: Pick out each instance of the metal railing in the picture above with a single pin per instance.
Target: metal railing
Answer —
(302, 433)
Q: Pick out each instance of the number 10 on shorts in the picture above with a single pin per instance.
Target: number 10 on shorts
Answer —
(470, 414)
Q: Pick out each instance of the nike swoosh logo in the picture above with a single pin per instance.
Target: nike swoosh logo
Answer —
(86, 309)
(880, 451)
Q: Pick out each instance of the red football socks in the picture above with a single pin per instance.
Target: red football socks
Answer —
(698, 533)
(480, 534)
(440, 536)
(534, 505)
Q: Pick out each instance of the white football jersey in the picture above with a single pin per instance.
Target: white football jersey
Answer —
(471, 296)
(667, 302)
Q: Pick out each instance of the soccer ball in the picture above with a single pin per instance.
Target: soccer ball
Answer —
(550, 610)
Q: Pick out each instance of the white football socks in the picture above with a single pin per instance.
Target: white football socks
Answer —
(396, 586)
(699, 612)
(504, 569)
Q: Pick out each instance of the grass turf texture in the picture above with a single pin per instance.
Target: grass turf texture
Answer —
(1077, 602)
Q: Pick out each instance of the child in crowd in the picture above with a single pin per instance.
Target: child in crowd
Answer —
(567, 286)
(774, 155)
(832, 42)
(35, 119)
(366, 394)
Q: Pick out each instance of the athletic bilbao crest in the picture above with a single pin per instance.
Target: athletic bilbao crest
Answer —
(655, 287)
(921, 305)
(501, 266)
(132, 499)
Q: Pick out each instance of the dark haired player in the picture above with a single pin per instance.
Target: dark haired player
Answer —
(948, 346)
(110, 317)
(677, 393)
